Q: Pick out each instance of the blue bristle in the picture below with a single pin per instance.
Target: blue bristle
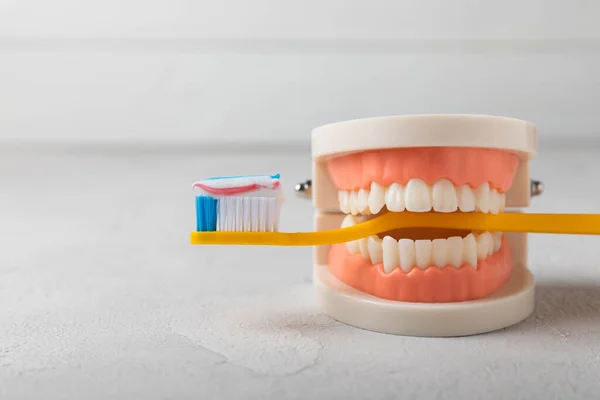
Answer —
(206, 214)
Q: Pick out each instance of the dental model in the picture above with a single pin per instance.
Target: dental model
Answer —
(418, 228)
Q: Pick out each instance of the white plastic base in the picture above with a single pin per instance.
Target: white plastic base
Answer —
(511, 304)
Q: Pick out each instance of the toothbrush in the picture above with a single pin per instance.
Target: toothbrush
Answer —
(238, 203)
(585, 224)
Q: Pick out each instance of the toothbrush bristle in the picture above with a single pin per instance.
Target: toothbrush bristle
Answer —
(206, 213)
(249, 214)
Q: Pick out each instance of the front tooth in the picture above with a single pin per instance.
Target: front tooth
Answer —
(482, 197)
(470, 250)
(423, 253)
(363, 247)
(466, 198)
(406, 254)
(439, 251)
(497, 240)
(417, 196)
(502, 201)
(444, 196)
(353, 202)
(495, 201)
(394, 197)
(455, 251)
(390, 254)
(376, 198)
(375, 249)
(363, 201)
(352, 246)
(343, 199)
(483, 245)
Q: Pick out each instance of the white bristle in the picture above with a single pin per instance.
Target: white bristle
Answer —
(249, 214)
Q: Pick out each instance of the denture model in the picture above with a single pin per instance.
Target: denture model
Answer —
(419, 228)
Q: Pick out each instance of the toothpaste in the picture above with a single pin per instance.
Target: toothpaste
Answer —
(251, 185)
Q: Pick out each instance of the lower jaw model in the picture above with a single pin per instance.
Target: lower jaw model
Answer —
(422, 282)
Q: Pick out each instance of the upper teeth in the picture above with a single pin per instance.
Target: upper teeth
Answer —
(407, 253)
(418, 196)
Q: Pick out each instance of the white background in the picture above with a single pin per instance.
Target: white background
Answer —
(246, 71)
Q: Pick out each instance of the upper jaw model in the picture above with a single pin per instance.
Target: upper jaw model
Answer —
(420, 281)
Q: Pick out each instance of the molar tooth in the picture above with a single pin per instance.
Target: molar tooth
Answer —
(390, 254)
(375, 249)
(348, 221)
(466, 198)
(502, 201)
(495, 201)
(353, 202)
(376, 198)
(353, 245)
(363, 201)
(394, 197)
(406, 254)
(423, 253)
(444, 196)
(343, 198)
(455, 251)
(470, 250)
(363, 246)
(497, 236)
(439, 252)
(482, 197)
(483, 245)
(417, 196)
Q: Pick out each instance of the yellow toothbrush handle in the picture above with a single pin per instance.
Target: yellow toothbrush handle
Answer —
(580, 224)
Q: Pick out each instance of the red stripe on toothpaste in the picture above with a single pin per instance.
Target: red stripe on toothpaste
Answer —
(235, 190)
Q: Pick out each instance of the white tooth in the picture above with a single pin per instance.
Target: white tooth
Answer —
(455, 251)
(494, 201)
(352, 246)
(490, 242)
(439, 251)
(363, 200)
(353, 202)
(466, 198)
(497, 240)
(502, 201)
(482, 246)
(343, 197)
(482, 197)
(394, 197)
(348, 221)
(470, 250)
(417, 196)
(363, 246)
(444, 196)
(423, 253)
(376, 198)
(375, 249)
(406, 254)
(390, 254)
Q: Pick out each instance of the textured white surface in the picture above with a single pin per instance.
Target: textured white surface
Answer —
(101, 295)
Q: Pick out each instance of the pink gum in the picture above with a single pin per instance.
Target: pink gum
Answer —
(460, 165)
(432, 285)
